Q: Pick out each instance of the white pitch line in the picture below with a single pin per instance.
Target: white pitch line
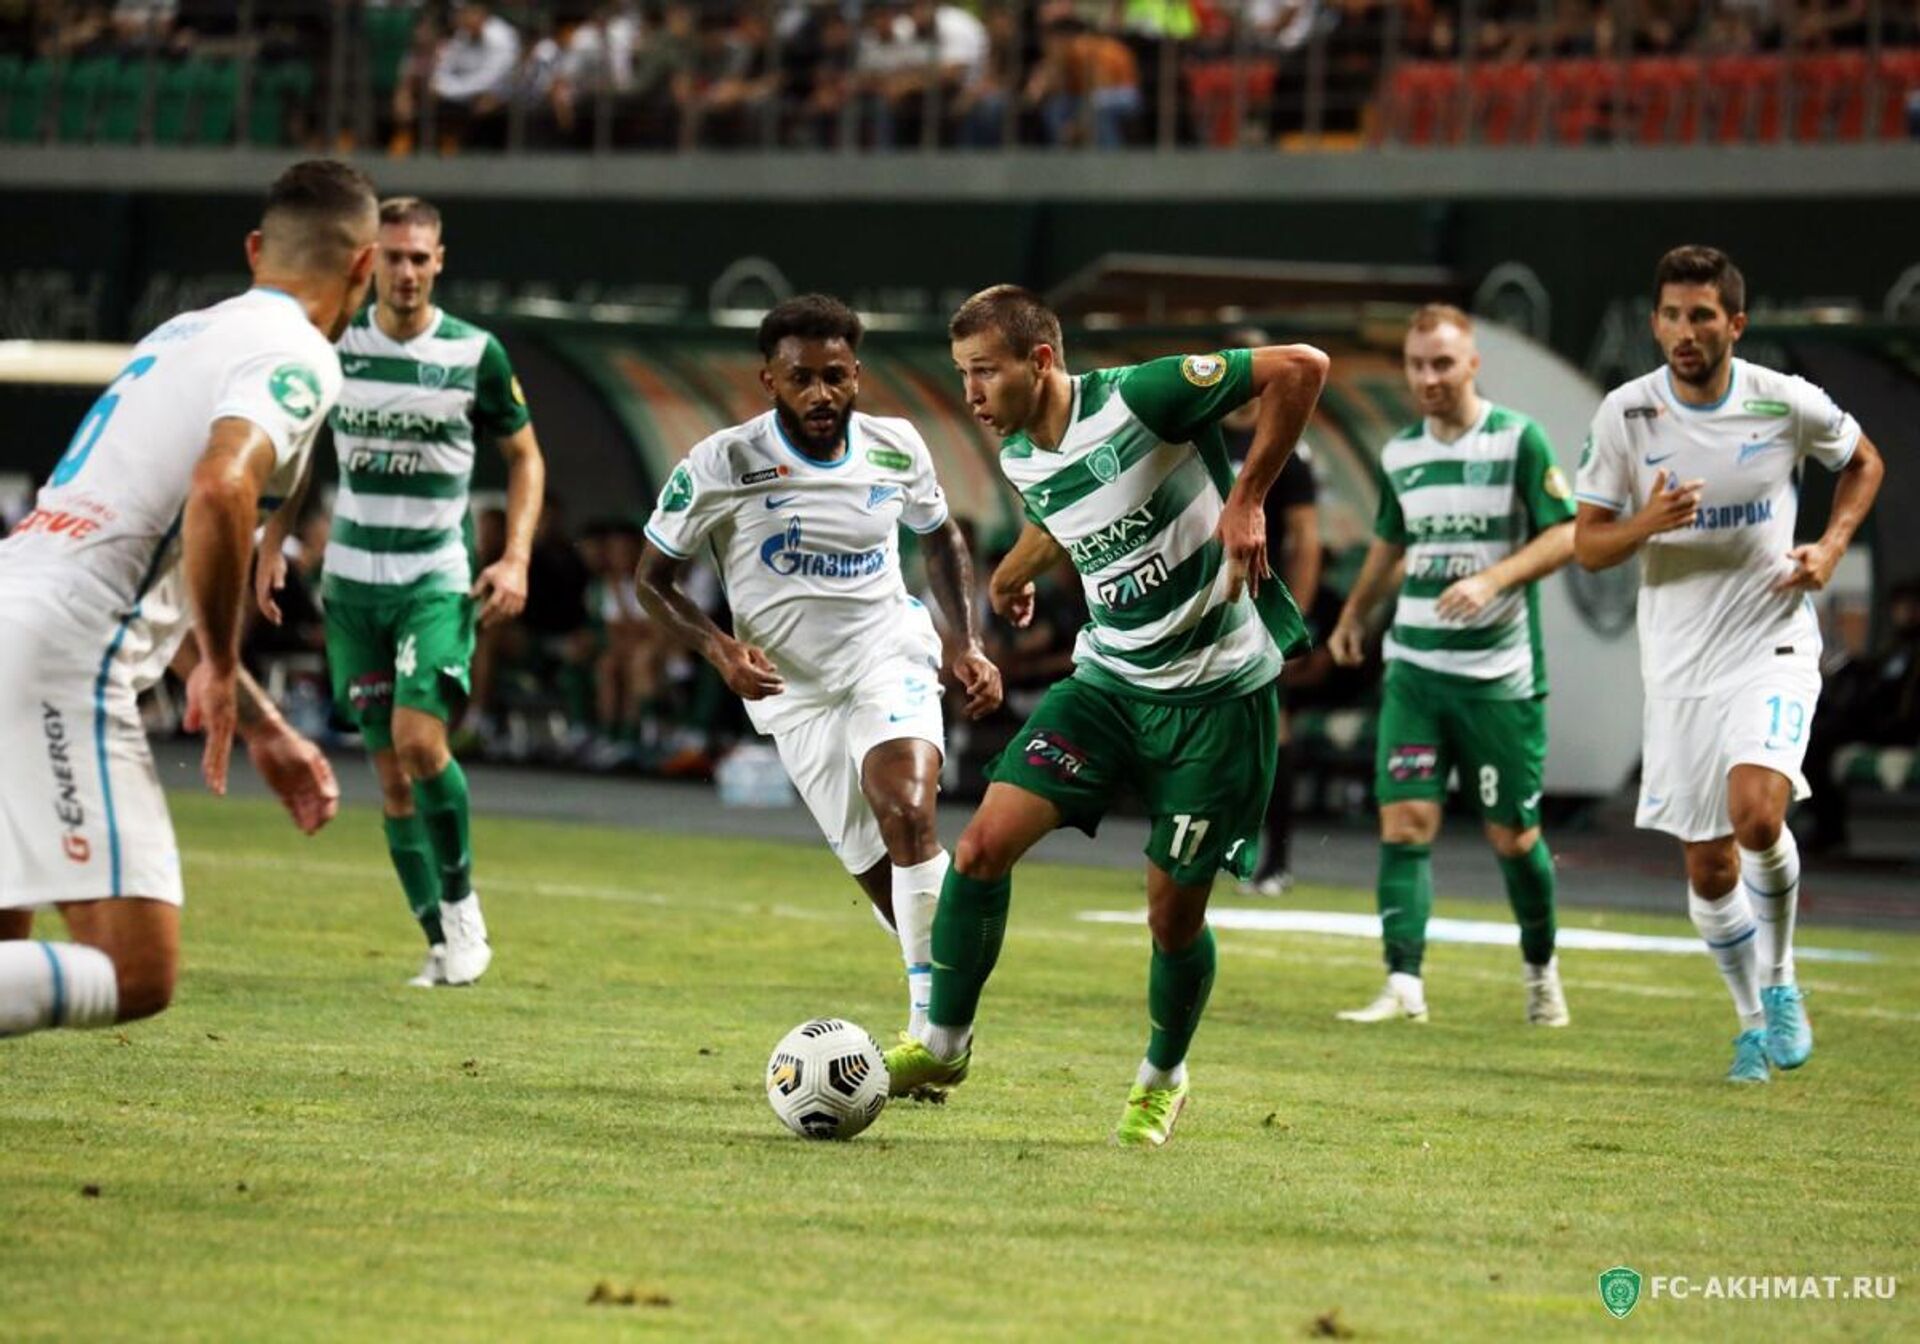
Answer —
(1480, 931)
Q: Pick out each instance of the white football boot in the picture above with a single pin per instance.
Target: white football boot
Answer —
(1546, 1004)
(1404, 997)
(433, 971)
(468, 954)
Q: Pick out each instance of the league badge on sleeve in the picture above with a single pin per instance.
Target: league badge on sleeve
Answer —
(1203, 370)
(677, 495)
(295, 390)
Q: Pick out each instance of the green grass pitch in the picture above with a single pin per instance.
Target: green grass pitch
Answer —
(303, 1149)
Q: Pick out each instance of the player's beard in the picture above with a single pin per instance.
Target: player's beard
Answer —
(798, 432)
(1711, 363)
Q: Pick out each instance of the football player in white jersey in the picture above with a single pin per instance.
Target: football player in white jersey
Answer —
(1696, 467)
(144, 532)
(798, 510)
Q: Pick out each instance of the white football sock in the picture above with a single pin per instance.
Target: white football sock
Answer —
(55, 985)
(1152, 1077)
(916, 894)
(1772, 877)
(1728, 928)
(947, 1044)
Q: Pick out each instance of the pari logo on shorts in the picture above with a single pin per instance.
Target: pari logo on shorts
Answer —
(1413, 761)
(1050, 751)
(370, 690)
(783, 554)
(66, 793)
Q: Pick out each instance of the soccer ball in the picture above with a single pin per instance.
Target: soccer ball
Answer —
(826, 1079)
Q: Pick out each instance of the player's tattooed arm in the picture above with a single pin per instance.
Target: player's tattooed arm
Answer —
(1288, 379)
(950, 571)
(747, 670)
(1010, 590)
(1814, 563)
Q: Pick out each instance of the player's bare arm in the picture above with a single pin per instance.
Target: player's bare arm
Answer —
(1288, 379)
(1379, 575)
(1602, 538)
(1549, 551)
(217, 545)
(292, 765)
(270, 558)
(1010, 590)
(747, 670)
(501, 587)
(950, 571)
(1814, 563)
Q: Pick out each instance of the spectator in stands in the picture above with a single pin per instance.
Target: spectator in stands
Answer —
(473, 79)
(980, 106)
(1873, 702)
(822, 93)
(890, 63)
(738, 79)
(665, 78)
(585, 65)
(1086, 87)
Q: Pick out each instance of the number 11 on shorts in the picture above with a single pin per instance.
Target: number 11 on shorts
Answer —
(1188, 835)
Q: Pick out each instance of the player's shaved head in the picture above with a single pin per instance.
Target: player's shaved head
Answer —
(1697, 265)
(1016, 315)
(318, 215)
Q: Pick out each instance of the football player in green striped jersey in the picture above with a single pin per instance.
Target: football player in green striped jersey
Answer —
(422, 390)
(1475, 508)
(1125, 472)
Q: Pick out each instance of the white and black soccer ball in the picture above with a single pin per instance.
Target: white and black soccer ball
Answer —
(827, 1079)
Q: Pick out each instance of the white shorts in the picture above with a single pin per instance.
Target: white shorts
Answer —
(823, 752)
(1689, 746)
(82, 814)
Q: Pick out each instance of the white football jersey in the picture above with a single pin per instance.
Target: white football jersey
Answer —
(105, 529)
(1708, 614)
(808, 551)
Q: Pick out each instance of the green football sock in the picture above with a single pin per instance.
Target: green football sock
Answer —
(1405, 894)
(1530, 893)
(412, 855)
(969, 925)
(442, 805)
(1178, 984)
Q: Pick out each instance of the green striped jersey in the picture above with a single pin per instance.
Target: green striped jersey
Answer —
(1458, 508)
(1134, 493)
(404, 431)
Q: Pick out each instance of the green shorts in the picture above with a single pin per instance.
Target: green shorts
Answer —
(1203, 770)
(1427, 729)
(415, 651)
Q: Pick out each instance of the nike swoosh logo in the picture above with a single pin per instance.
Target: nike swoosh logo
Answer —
(1390, 910)
(353, 365)
(1656, 461)
(780, 501)
(898, 718)
(1415, 474)
(1530, 800)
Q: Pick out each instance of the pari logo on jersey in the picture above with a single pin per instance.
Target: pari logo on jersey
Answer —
(784, 555)
(1123, 590)
(66, 792)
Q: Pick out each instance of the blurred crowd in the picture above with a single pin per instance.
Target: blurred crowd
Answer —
(665, 74)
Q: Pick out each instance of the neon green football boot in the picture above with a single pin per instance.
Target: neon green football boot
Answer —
(915, 1071)
(1150, 1115)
